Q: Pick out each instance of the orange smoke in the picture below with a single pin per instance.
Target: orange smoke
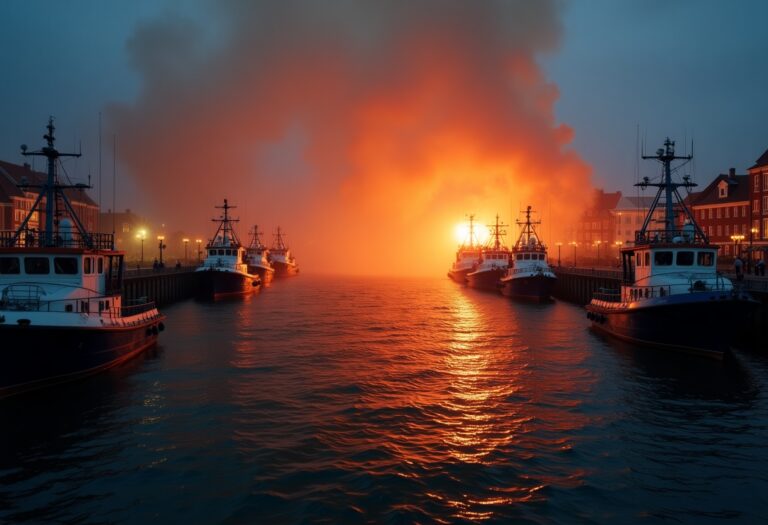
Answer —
(365, 129)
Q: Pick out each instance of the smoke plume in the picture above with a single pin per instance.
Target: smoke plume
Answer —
(366, 130)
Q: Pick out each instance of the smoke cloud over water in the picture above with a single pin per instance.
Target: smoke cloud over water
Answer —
(366, 130)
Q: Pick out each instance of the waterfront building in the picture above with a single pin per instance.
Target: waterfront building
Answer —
(722, 211)
(758, 198)
(16, 203)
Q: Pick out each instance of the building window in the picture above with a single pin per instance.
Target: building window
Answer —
(756, 186)
(743, 211)
(728, 213)
(723, 191)
(765, 228)
(765, 203)
(709, 212)
(756, 206)
(719, 230)
(765, 182)
(727, 230)
(727, 249)
(719, 213)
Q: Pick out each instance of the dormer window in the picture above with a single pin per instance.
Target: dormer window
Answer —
(722, 190)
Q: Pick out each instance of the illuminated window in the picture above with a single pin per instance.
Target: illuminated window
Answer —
(765, 228)
(765, 203)
(710, 212)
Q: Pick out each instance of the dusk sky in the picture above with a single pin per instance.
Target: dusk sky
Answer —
(372, 128)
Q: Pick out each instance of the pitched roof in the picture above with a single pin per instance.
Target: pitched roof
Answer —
(738, 191)
(762, 161)
(634, 203)
(11, 175)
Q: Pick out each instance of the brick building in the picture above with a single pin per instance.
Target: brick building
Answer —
(722, 211)
(758, 198)
(16, 203)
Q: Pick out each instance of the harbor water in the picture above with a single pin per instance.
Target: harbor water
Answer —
(352, 400)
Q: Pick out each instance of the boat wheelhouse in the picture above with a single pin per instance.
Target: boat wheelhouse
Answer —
(224, 271)
(257, 258)
(529, 275)
(672, 295)
(61, 310)
(280, 257)
(493, 263)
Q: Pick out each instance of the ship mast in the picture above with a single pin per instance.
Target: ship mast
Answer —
(471, 231)
(52, 191)
(497, 233)
(228, 236)
(279, 243)
(256, 238)
(528, 231)
(666, 156)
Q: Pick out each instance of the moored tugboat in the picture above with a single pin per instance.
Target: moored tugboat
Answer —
(280, 257)
(61, 311)
(257, 258)
(224, 272)
(528, 276)
(672, 295)
(467, 256)
(494, 260)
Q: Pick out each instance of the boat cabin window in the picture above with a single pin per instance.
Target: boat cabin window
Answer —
(638, 260)
(101, 265)
(65, 265)
(662, 258)
(9, 265)
(527, 256)
(685, 258)
(37, 265)
(87, 265)
(541, 256)
(221, 252)
(647, 259)
(706, 258)
(519, 256)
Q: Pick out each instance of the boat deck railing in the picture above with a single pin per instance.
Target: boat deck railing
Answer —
(668, 236)
(634, 293)
(70, 239)
(29, 298)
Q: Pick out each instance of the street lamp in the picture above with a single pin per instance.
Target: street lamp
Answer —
(752, 232)
(199, 249)
(161, 246)
(559, 244)
(574, 244)
(736, 238)
(186, 243)
(141, 236)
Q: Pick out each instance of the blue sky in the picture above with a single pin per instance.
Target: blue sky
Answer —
(687, 69)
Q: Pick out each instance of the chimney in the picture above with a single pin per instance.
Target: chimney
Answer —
(732, 173)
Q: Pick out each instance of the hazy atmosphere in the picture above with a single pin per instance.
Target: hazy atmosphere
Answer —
(373, 128)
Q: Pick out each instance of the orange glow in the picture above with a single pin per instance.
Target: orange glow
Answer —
(461, 232)
(354, 146)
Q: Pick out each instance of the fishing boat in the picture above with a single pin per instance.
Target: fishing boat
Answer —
(493, 263)
(224, 271)
(467, 256)
(257, 258)
(672, 295)
(280, 257)
(62, 315)
(529, 275)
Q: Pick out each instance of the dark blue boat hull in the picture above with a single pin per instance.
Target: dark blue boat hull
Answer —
(486, 280)
(533, 288)
(33, 357)
(216, 284)
(701, 323)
